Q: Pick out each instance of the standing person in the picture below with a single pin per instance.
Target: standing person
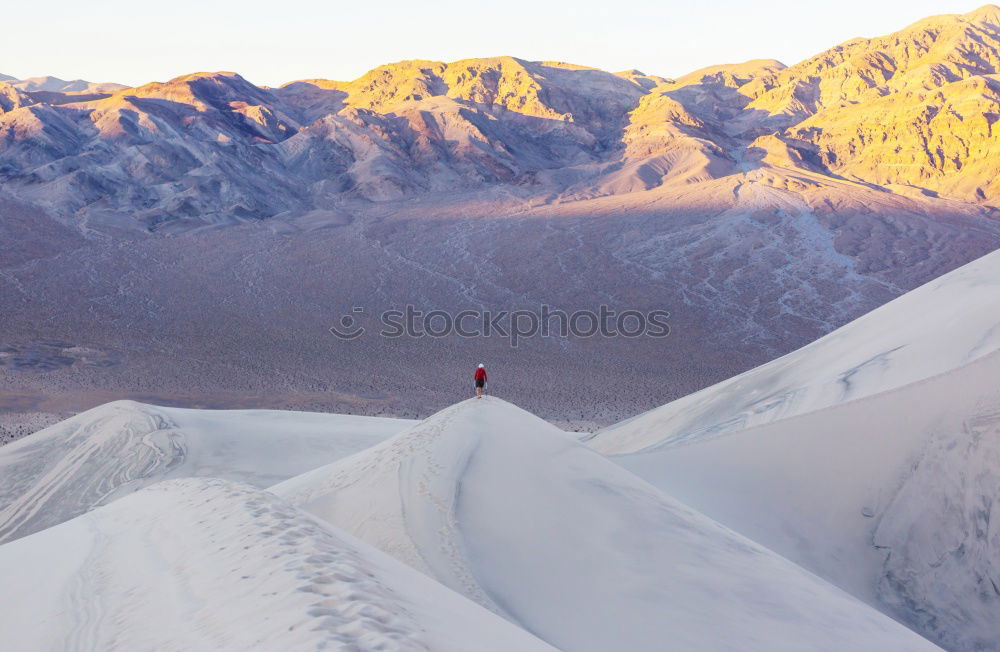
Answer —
(480, 378)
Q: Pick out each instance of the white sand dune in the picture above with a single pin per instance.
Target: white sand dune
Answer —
(515, 514)
(114, 449)
(888, 496)
(938, 327)
(205, 564)
(871, 457)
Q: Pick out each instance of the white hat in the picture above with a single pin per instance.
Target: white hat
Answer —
(480, 365)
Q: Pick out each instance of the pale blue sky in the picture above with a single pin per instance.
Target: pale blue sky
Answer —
(273, 42)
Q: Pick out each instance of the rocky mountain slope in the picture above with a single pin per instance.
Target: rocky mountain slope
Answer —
(419, 126)
(915, 108)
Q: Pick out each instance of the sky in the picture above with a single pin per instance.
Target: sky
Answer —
(271, 43)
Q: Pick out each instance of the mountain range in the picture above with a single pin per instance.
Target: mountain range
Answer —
(212, 230)
(911, 112)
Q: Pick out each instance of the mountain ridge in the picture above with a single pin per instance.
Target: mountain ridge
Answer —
(414, 126)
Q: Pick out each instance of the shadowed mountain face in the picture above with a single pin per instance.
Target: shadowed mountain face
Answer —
(201, 235)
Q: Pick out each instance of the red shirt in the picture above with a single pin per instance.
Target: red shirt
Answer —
(480, 374)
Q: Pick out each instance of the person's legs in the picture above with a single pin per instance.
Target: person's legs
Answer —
(479, 391)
